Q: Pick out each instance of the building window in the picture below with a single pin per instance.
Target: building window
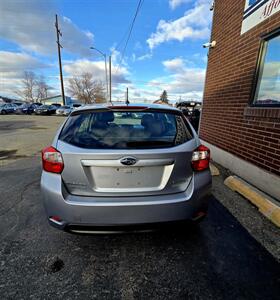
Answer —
(267, 88)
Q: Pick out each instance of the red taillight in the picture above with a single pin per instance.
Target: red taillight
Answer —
(201, 158)
(56, 218)
(52, 160)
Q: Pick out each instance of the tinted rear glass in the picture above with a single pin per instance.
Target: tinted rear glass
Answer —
(125, 130)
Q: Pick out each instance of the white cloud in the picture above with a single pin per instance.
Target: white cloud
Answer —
(12, 67)
(175, 3)
(133, 57)
(30, 24)
(174, 65)
(193, 25)
(97, 68)
(14, 64)
(138, 46)
(145, 56)
(9, 86)
(182, 81)
(189, 80)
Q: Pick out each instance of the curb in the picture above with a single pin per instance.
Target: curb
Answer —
(259, 199)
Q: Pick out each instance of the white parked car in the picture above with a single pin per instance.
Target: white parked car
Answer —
(64, 110)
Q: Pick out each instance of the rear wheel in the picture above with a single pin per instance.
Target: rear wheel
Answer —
(3, 112)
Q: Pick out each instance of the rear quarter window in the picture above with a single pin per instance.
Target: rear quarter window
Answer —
(126, 130)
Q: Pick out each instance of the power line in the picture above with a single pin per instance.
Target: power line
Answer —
(140, 3)
(131, 25)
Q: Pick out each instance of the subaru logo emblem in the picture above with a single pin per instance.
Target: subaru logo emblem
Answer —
(128, 161)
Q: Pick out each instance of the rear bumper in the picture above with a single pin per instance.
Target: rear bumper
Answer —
(122, 211)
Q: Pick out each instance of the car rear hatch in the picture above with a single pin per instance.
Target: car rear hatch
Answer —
(120, 153)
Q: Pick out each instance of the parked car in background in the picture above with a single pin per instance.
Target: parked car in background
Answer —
(18, 103)
(64, 110)
(26, 108)
(45, 110)
(15, 106)
(7, 108)
(76, 105)
(56, 105)
(191, 111)
(195, 118)
(106, 171)
(37, 103)
(186, 112)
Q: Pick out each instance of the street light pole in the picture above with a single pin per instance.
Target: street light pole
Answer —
(106, 73)
(110, 79)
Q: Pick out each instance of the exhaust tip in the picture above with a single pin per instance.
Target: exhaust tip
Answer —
(199, 215)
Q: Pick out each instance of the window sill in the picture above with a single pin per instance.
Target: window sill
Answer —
(262, 112)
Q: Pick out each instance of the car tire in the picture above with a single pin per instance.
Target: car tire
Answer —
(3, 112)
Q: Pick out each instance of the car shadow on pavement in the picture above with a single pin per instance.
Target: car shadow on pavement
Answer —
(12, 125)
(218, 259)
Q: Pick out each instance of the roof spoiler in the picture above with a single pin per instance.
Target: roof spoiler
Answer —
(127, 107)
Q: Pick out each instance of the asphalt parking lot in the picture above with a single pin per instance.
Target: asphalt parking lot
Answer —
(222, 258)
(22, 136)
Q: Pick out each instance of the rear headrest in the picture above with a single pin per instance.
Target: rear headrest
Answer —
(157, 128)
(147, 119)
(107, 116)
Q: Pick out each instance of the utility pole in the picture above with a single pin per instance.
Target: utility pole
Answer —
(58, 34)
(127, 102)
(110, 79)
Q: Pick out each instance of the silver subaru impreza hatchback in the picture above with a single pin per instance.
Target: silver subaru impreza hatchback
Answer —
(112, 166)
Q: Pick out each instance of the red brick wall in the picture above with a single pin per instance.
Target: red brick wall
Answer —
(228, 122)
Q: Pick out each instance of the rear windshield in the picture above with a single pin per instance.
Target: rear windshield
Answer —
(125, 130)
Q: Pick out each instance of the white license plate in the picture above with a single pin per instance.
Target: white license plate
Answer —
(129, 170)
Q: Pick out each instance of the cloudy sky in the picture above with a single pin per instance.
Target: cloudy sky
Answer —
(164, 50)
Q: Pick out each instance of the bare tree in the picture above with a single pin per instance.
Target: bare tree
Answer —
(86, 89)
(34, 87)
(29, 83)
(42, 88)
